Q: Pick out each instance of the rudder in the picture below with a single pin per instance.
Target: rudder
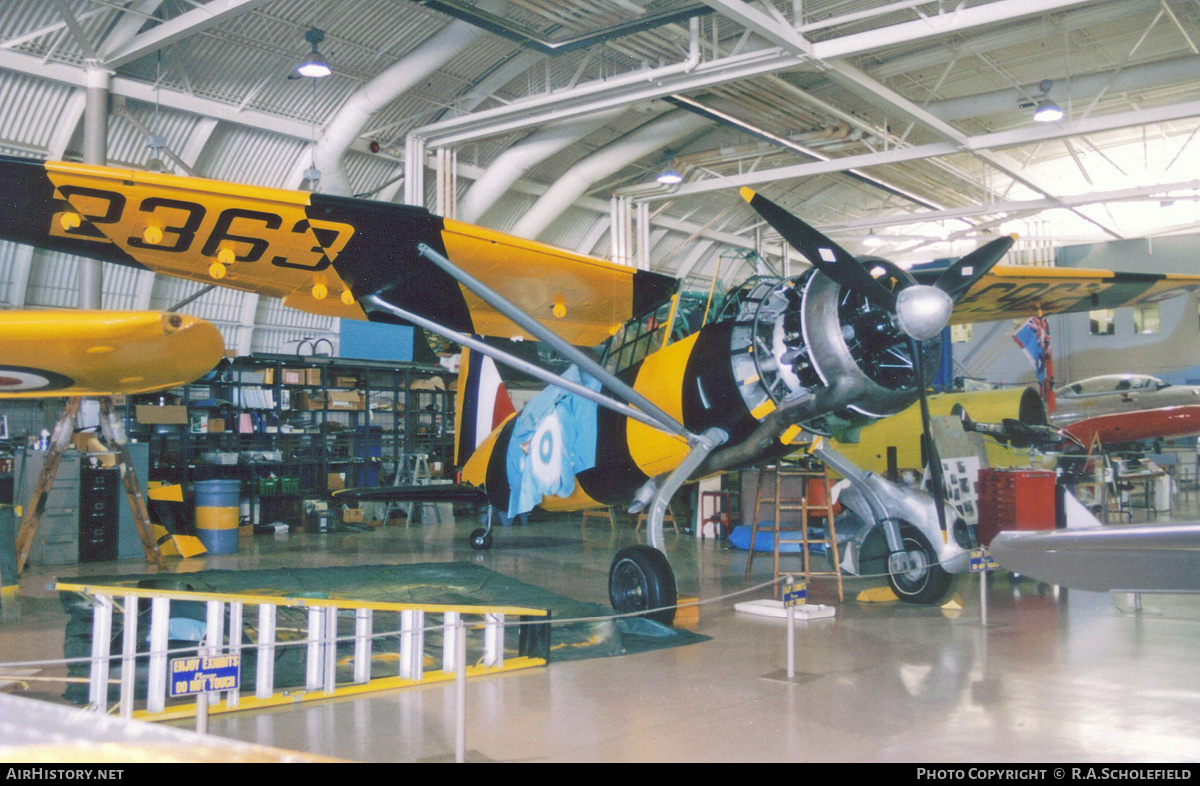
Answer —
(481, 403)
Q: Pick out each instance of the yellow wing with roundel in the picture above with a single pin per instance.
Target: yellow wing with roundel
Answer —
(102, 353)
(319, 253)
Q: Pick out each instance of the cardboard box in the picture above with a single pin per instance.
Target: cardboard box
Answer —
(268, 376)
(216, 425)
(345, 382)
(172, 414)
(293, 376)
(306, 400)
(352, 516)
(335, 481)
(345, 400)
(312, 376)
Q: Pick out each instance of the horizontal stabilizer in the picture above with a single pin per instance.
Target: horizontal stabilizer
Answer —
(1140, 558)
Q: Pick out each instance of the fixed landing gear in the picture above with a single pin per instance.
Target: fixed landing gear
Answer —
(641, 579)
(481, 539)
(919, 579)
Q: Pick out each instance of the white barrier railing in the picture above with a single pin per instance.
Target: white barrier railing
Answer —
(223, 636)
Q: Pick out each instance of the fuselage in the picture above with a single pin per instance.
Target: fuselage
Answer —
(1127, 408)
(786, 359)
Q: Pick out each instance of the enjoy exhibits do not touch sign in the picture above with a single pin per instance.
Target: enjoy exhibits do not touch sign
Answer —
(190, 676)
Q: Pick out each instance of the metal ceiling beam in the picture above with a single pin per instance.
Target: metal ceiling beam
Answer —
(603, 94)
(80, 35)
(940, 24)
(1071, 20)
(660, 82)
(830, 55)
(977, 144)
(144, 91)
(211, 14)
(1028, 206)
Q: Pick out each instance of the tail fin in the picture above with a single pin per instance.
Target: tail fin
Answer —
(482, 403)
(961, 411)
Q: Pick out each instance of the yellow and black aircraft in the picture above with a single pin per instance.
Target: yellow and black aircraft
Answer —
(842, 344)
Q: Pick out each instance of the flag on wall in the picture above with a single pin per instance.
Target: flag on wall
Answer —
(1034, 340)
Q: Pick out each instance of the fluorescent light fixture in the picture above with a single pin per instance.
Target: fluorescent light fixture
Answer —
(314, 65)
(670, 177)
(1047, 111)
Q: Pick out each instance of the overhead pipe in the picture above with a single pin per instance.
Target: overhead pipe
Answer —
(345, 127)
(639, 143)
(514, 162)
(1075, 88)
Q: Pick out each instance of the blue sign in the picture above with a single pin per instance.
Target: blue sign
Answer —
(981, 561)
(189, 676)
(795, 594)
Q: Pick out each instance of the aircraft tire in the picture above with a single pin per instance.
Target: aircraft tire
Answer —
(928, 586)
(641, 579)
(481, 539)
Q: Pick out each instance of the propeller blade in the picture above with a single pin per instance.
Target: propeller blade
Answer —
(936, 480)
(825, 255)
(958, 278)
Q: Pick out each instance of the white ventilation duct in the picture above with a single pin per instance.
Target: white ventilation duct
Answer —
(1075, 88)
(639, 143)
(350, 120)
(514, 162)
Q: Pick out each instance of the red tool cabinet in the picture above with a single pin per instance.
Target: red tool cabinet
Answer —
(1015, 499)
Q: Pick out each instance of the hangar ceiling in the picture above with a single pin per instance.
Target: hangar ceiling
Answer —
(911, 121)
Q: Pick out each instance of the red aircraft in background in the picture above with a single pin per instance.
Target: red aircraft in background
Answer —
(1120, 408)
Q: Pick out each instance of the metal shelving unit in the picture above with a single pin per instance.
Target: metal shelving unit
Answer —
(301, 420)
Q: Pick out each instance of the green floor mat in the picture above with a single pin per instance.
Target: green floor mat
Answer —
(459, 583)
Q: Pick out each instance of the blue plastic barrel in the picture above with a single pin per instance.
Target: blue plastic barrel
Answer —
(217, 514)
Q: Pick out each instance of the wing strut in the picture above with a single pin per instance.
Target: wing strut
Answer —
(543, 333)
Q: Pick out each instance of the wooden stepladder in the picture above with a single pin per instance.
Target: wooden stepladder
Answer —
(114, 435)
(815, 501)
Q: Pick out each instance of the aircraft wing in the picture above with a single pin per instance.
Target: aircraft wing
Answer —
(318, 253)
(1136, 558)
(101, 353)
(1013, 291)
(432, 492)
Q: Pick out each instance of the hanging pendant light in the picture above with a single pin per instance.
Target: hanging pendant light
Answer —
(314, 65)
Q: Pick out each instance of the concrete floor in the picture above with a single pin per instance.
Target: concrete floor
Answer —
(1056, 676)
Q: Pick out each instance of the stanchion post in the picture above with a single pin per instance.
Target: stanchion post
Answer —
(791, 636)
(460, 694)
(983, 597)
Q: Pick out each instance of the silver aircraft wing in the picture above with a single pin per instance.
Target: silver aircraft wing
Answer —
(1131, 558)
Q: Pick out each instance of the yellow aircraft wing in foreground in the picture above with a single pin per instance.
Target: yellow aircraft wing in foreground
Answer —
(102, 353)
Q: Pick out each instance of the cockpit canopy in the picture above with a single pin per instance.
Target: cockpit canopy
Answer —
(1111, 383)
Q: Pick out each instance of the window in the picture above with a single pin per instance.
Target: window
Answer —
(637, 338)
(1145, 318)
(1103, 323)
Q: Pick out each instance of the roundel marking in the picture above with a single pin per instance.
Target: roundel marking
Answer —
(546, 454)
(25, 379)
